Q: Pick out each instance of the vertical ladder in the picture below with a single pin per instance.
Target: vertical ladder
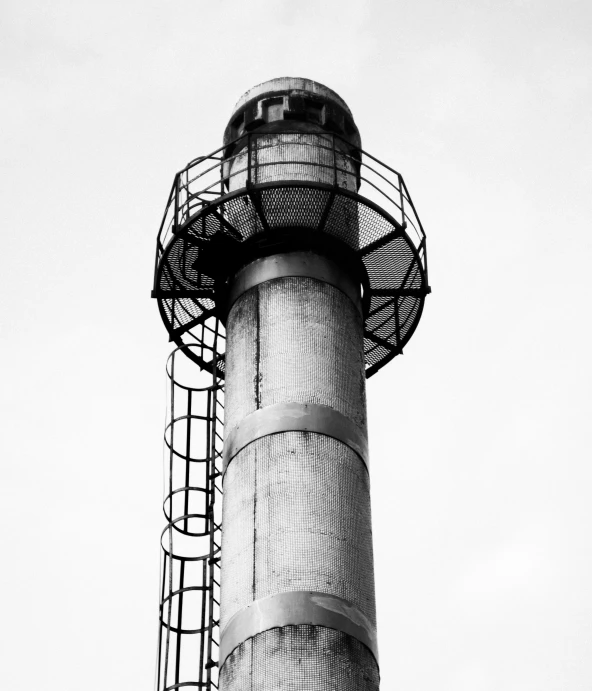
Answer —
(189, 611)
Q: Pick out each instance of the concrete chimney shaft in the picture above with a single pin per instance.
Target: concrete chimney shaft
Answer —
(297, 589)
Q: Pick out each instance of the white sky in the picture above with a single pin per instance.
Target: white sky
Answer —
(479, 433)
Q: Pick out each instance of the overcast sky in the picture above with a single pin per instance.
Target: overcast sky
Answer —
(479, 434)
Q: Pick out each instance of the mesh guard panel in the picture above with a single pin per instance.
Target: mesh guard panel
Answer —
(395, 268)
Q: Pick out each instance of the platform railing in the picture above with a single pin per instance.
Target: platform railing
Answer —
(208, 178)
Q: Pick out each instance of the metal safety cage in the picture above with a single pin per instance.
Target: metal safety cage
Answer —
(188, 639)
(262, 185)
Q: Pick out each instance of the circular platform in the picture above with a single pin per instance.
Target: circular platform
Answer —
(193, 265)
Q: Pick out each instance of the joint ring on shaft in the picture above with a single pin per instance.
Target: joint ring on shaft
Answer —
(297, 608)
(295, 417)
(290, 265)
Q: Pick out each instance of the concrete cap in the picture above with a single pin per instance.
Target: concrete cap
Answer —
(289, 84)
(291, 103)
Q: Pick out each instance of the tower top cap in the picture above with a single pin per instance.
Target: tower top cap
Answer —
(288, 103)
(291, 84)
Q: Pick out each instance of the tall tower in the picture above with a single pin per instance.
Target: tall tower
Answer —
(304, 256)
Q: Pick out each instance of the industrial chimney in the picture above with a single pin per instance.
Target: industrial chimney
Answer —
(290, 266)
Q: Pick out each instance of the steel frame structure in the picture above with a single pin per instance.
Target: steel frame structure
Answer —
(207, 233)
(198, 227)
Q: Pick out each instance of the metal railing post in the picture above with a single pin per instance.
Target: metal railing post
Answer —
(402, 200)
(248, 159)
(176, 221)
(334, 162)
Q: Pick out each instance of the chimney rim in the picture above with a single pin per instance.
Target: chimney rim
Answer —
(286, 85)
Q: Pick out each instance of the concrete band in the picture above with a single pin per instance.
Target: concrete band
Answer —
(295, 417)
(294, 264)
(297, 608)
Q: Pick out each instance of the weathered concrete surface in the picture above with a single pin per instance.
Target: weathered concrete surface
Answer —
(294, 339)
(296, 504)
(298, 658)
(271, 153)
